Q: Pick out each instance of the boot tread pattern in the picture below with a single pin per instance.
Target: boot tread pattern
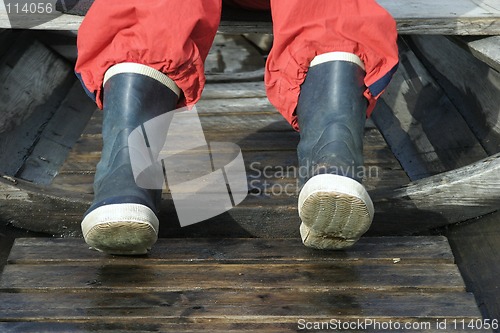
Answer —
(122, 238)
(335, 212)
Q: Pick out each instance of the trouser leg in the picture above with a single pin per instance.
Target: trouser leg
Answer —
(330, 61)
(137, 60)
(173, 37)
(304, 29)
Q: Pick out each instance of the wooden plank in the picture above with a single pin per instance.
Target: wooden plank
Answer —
(475, 245)
(306, 276)
(471, 85)
(56, 211)
(249, 306)
(253, 139)
(446, 17)
(58, 137)
(236, 120)
(383, 170)
(266, 181)
(232, 54)
(443, 199)
(24, 201)
(44, 161)
(238, 105)
(29, 76)
(84, 161)
(71, 118)
(230, 285)
(386, 276)
(486, 49)
(86, 153)
(246, 114)
(233, 327)
(411, 120)
(450, 17)
(417, 250)
(234, 90)
(146, 327)
(268, 186)
(34, 83)
(253, 76)
(263, 42)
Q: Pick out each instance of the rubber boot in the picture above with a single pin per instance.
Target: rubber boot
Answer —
(335, 209)
(122, 218)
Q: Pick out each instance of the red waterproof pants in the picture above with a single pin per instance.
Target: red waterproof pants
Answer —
(174, 37)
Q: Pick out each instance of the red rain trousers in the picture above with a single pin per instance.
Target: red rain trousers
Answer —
(174, 37)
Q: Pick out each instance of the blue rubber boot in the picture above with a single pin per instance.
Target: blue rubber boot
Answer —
(122, 218)
(334, 207)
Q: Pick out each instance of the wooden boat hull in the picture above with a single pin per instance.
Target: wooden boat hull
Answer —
(446, 169)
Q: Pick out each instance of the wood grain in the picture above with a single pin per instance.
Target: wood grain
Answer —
(486, 49)
(422, 127)
(58, 137)
(471, 85)
(29, 77)
(324, 276)
(457, 196)
(370, 250)
(234, 90)
(450, 17)
(230, 285)
(34, 82)
(250, 306)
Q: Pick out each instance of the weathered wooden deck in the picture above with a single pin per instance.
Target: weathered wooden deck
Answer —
(226, 285)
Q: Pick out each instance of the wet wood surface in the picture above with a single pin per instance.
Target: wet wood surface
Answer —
(32, 251)
(230, 284)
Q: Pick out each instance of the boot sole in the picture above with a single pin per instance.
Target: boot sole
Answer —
(121, 229)
(335, 212)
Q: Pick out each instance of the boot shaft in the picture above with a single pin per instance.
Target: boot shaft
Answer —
(331, 114)
(130, 100)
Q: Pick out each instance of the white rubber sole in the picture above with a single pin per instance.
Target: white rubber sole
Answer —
(335, 212)
(123, 229)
